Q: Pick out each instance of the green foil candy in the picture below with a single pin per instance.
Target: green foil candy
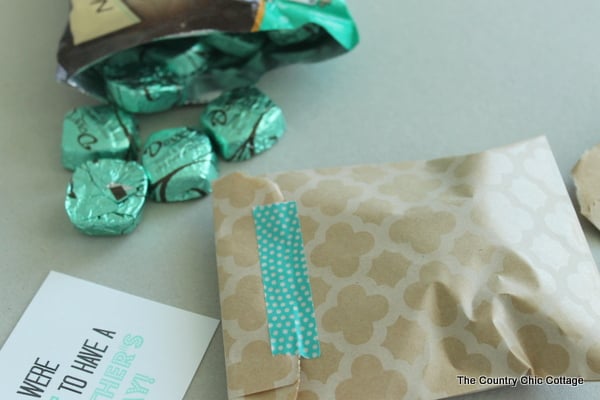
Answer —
(243, 122)
(121, 59)
(105, 197)
(236, 44)
(180, 164)
(143, 88)
(288, 37)
(96, 132)
(181, 57)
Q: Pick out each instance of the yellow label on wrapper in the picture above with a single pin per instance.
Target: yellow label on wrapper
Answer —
(90, 19)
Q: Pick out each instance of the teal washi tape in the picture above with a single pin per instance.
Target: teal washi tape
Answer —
(288, 296)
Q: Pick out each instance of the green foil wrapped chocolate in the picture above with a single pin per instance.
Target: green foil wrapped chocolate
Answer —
(180, 163)
(181, 57)
(96, 132)
(143, 88)
(287, 37)
(243, 122)
(239, 45)
(122, 59)
(106, 196)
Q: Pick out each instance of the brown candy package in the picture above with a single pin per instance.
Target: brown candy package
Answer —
(118, 49)
(421, 272)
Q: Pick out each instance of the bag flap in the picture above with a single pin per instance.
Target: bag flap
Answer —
(251, 368)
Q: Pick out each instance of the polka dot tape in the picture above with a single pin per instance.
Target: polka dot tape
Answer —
(288, 297)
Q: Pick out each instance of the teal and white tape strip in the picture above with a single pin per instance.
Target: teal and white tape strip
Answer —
(288, 297)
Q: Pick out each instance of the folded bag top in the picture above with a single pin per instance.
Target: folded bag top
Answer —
(420, 272)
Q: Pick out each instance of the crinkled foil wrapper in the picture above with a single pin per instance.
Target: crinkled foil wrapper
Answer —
(106, 197)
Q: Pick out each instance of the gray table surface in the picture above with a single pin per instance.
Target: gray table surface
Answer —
(429, 79)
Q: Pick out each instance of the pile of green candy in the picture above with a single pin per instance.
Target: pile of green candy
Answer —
(111, 180)
(166, 61)
(172, 72)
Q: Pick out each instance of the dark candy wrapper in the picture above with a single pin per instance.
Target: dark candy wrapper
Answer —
(180, 164)
(243, 122)
(105, 197)
(96, 132)
(148, 56)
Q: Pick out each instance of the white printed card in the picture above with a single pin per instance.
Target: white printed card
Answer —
(81, 341)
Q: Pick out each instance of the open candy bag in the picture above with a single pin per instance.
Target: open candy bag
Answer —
(420, 272)
(153, 55)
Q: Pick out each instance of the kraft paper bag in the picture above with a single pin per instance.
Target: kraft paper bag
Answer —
(421, 272)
